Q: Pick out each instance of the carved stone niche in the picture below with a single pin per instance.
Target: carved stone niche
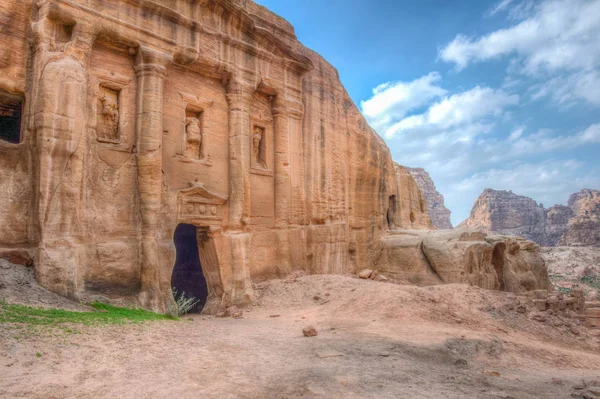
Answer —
(261, 135)
(195, 145)
(199, 206)
(107, 127)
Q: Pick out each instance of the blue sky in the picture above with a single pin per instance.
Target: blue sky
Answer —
(498, 94)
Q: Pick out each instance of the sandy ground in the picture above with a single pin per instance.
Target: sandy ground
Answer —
(375, 340)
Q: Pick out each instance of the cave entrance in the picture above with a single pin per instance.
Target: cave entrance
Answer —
(391, 213)
(187, 274)
(498, 263)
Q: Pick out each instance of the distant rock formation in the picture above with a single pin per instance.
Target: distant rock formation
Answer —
(437, 211)
(584, 227)
(577, 224)
(412, 212)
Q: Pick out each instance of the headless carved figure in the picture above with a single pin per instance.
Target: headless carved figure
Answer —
(193, 136)
(110, 112)
(257, 137)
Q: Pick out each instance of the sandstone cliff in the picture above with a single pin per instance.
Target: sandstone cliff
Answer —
(176, 143)
(584, 227)
(506, 212)
(437, 211)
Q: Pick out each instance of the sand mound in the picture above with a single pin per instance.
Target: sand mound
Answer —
(18, 286)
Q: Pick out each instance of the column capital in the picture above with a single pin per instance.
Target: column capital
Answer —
(285, 106)
(149, 60)
(239, 93)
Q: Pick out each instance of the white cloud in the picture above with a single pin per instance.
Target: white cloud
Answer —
(459, 109)
(515, 134)
(393, 100)
(560, 34)
(542, 142)
(500, 7)
(471, 139)
(549, 182)
(566, 91)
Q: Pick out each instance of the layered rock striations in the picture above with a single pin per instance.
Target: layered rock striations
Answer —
(498, 262)
(509, 213)
(583, 229)
(185, 142)
(437, 211)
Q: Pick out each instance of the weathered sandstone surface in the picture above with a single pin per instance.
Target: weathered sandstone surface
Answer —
(437, 211)
(584, 227)
(196, 145)
(577, 224)
(494, 262)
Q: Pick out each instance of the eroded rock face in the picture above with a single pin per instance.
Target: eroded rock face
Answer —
(437, 211)
(412, 210)
(584, 227)
(497, 262)
(509, 213)
(141, 117)
(506, 212)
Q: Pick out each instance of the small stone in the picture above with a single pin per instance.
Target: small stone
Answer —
(538, 317)
(328, 353)
(460, 363)
(492, 373)
(365, 274)
(274, 315)
(384, 354)
(309, 331)
(540, 304)
(381, 278)
(521, 308)
(374, 274)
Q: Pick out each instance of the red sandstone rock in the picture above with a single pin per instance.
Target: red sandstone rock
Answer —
(149, 115)
(577, 224)
(17, 256)
(365, 274)
(437, 211)
(309, 331)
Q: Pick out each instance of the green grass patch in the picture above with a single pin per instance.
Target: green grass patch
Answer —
(104, 314)
(592, 281)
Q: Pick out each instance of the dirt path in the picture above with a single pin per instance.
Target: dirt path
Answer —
(393, 342)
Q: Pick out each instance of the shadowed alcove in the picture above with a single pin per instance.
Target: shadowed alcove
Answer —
(498, 262)
(187, 274)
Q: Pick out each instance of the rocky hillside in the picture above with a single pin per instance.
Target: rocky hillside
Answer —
(437, 211)
(584, 227)
(504, 211)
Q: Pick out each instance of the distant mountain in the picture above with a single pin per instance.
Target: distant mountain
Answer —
(437, 211)
(577, 224)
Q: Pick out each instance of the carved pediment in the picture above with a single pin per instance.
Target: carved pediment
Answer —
(200, 206)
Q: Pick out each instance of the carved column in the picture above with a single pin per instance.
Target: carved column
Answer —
(282, 167)
(289, 171)
(150, 69)
(239, 96)
(58, 99)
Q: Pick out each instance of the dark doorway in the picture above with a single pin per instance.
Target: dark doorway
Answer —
(391, 213)
(10, 118)
(187, 274)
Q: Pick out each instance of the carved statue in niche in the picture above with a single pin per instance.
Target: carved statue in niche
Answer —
(193, 137)
(108, 112)
(258, 151)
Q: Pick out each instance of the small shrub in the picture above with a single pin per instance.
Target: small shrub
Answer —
(182, 305)
(593, 281)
